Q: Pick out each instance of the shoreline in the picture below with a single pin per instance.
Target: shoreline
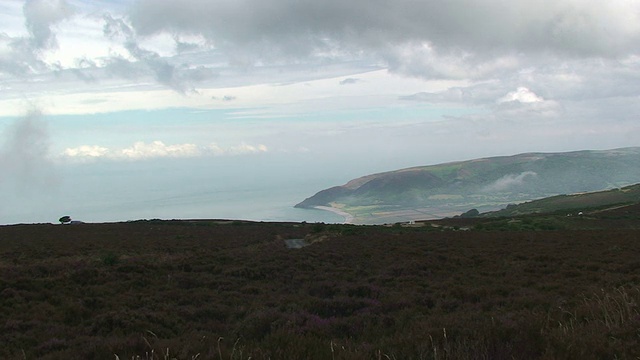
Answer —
(348, 218)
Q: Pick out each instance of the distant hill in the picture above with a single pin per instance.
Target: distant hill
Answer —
(572, 203)
(486, 184)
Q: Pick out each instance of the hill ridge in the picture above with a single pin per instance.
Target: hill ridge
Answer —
(487, 183)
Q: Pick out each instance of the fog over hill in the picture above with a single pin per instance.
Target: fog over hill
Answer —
(486, 184)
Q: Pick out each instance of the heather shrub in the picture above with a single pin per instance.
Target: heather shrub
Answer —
(236, 292)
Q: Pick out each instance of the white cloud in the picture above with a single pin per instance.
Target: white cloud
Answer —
(12, 18)
(242, 149)
(246, 149)
(90, 151)
(522, 95)
(142, 150)
(157, 149)
(508, 182)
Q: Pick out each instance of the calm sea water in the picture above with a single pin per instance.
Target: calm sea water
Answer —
(196, 189)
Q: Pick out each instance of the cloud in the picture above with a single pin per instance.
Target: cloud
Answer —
(242, 149)
(501, 46)
(116, 28)
(183, 46)
(423, 59)
(508, 182)
(522, 95)
(246, 149)
(453, 39)
(349, 81)
(482, 97)
(21, 56)
(519, 59)
(90, 151)
(118, 66)
(17, 58)
(24, 155)
(138, 151)
(177, 77)
(40, 16)
(464, 95)
(141, 150)
(157, 149)
(527, 111)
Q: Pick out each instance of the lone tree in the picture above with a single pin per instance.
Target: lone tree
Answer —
(65, 219)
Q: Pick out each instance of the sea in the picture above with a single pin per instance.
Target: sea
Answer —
(238, 189)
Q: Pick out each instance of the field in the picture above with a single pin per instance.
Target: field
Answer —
(233, 290)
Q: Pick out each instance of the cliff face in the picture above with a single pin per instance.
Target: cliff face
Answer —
(324, 197)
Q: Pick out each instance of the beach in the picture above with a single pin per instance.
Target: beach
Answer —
(348, 218)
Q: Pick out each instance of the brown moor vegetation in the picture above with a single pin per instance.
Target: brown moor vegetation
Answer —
(232, 290)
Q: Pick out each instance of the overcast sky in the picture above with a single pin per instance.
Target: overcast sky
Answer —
(383, 84)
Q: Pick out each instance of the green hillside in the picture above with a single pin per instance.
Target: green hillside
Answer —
(573, 202)
(487, 184)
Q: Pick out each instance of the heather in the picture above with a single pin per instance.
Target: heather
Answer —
(233, 290)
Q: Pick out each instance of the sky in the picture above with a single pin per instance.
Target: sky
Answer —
(314, 93)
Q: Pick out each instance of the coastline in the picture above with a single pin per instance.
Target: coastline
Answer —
(348, 218)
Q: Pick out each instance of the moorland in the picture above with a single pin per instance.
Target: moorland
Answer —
(540, 286)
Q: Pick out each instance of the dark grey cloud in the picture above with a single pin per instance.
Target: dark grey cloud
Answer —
(179, 77)
(40, 16)
(24, 53)
(84, 70)
(184, 46)
(120, 67)
(564, 51)
(477, 30)
(503, 44)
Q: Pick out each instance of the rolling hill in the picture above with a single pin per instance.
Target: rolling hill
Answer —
(487, 184)
(600, 201)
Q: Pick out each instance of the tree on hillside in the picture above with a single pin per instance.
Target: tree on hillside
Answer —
(65, 219)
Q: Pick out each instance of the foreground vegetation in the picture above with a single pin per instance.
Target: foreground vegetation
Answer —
(232, 290)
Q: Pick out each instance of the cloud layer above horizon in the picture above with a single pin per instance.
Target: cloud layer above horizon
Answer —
(146, 101)
(569, 66)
